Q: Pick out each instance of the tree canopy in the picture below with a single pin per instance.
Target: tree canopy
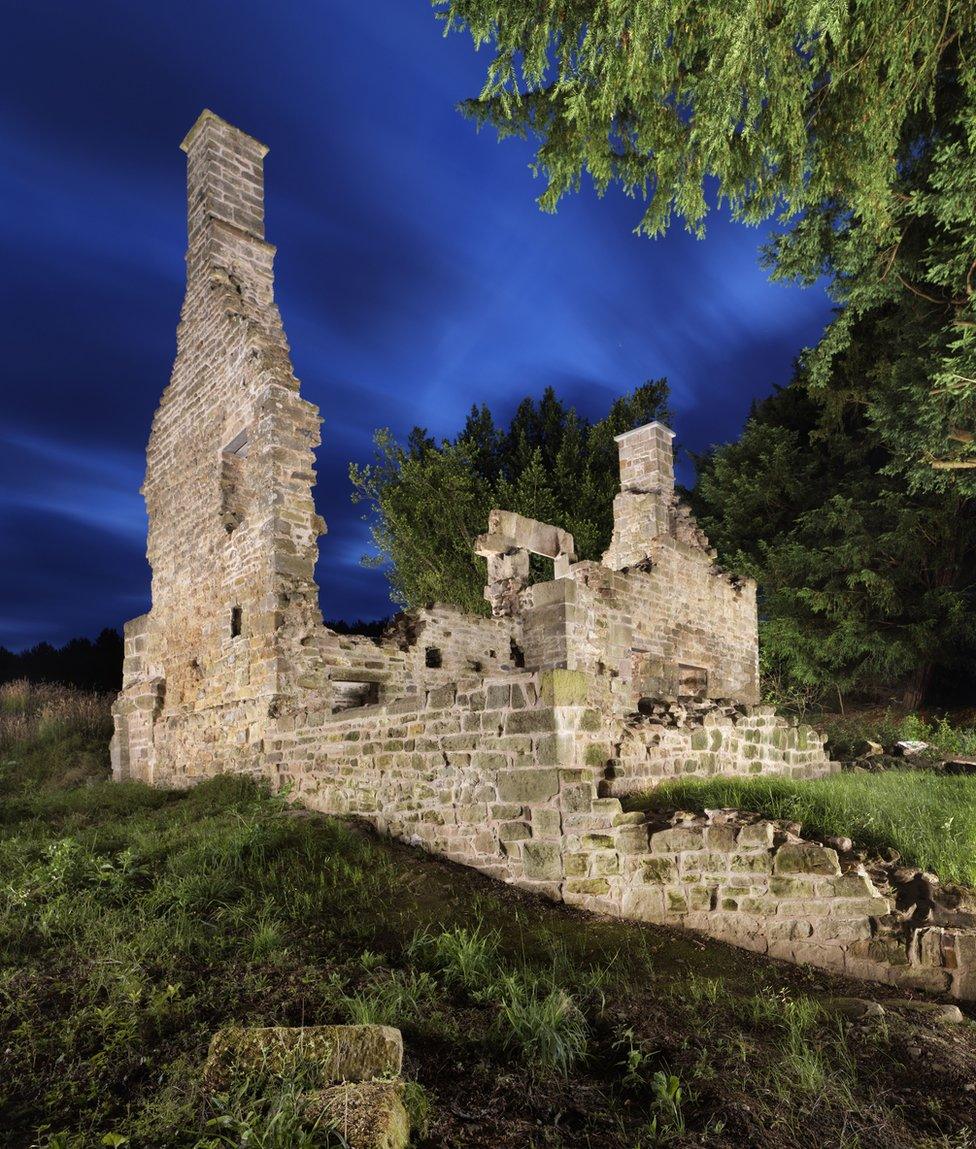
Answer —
(865, 584)
(428, 501)
(851, 121)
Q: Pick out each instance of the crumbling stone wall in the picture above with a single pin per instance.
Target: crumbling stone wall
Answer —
(499, 742)
(749, 882)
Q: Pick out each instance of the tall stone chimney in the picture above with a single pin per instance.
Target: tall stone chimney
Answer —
(642, 510)
(225, 195)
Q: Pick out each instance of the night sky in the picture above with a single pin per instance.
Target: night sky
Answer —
(415, 274)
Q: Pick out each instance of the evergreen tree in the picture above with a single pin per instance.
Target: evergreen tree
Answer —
(865, 583)
(429, 502)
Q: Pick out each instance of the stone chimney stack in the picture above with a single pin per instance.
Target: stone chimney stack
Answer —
(225, 192)
(642, 510)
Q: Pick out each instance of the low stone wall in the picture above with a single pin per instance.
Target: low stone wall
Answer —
(505, 776)
(760, 888)
(726, 741)
(480, 773)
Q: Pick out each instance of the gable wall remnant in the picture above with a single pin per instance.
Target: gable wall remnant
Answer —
(502, 742)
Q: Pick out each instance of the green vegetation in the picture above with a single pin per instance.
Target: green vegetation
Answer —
(930, 819)
(848, 735)
(428, 502)
(852, 123)
(134, 923)
(867, 585)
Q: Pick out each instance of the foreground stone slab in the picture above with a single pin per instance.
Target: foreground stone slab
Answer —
(932, 1012)
(368, 1115)
(854, 1008)
(329, 1053)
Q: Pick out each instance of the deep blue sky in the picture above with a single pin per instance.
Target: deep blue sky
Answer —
(415, 273)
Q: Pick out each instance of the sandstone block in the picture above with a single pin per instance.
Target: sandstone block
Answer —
(758, 835)
(563, 688)
(591, 886)
(631, 839)
(546, 822)
(542, 861)
(334, 1053)
(643, 904)
(805, 858)
(859, 907)
(677, 839)
(658, 870)
(720, 838)
(368, 1115)
(527, 785)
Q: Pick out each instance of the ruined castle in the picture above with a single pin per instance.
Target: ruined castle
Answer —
(502, 742)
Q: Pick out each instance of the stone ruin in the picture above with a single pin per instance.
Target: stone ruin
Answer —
(502, 742)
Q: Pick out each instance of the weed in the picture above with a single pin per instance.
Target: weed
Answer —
(465, 958)
(668, 1120)
(636, 1061)
(402, 998)
(417, 1103)
(544, 1026)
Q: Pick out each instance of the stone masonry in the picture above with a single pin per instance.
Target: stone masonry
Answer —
(501, 742)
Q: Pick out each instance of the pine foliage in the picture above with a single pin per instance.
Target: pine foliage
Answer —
(427, 502)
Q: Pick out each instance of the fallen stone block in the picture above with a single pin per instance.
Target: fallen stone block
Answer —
(368, 1115)
(328, 1054)
(931, 1012)
(855, 1008)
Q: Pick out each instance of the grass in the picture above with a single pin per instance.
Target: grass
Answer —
(929, 818)
(133, 923)
(848, 735)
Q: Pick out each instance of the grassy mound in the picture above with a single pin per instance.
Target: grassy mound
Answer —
(930, 819)
(133, 923)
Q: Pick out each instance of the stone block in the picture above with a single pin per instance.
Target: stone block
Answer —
(658, 870)
(859, 907)
(527, 785)
(677, 839)
(514, 831)
(703, 862)
(720, 838)
(805, 858)
(631, 839)
(530, 721)
(800, 887)
(542, 861)
(563, 688)
(643, 904)
(756, 836)
(546, 822)
(331, 1053)
(605, 864)
(589, 886)
(849, 885)
(760, 863)
(598, 842)
(367, 1115)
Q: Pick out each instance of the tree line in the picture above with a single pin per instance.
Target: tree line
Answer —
(80, 662)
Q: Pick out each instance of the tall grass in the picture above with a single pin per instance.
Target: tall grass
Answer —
(40, 711)
(930, 819)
